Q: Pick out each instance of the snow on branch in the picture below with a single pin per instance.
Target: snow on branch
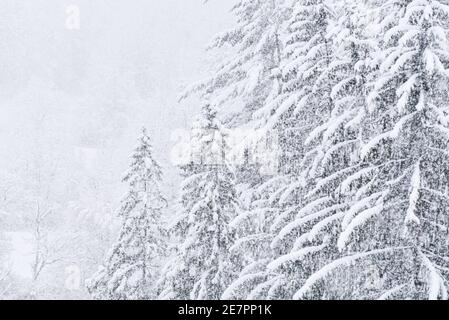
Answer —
(295, 256)
(357, 222)
(414, 195)
(437, 288)
(327, 269)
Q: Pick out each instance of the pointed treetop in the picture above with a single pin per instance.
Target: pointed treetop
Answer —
(209, 115)
(144, 131)
(143, 165)
(145, 138)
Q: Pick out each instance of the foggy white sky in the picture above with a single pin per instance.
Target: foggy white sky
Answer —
(124, 67)
(77, 98)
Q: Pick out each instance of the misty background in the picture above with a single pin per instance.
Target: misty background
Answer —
(72, 103)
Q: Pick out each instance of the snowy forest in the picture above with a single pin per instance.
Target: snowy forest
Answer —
(304, 157)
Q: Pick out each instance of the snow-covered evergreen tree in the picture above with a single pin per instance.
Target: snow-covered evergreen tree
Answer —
(332, 156)
(4, 267)
(394, 239)
(246, 88)
(133, 264)
(203, 266)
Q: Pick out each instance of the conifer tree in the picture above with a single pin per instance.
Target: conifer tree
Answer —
(253, 236)
(303, 105)
(203, 266)
(396, 223)
(246, 88)
(134, 262)
(333, 156)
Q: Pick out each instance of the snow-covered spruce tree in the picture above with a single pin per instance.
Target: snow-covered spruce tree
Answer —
(203, 266)
(134, 262)
(394, 237)
(332, 157)
(304, 104)
(246, 87)
(306, 90)
(5, 277)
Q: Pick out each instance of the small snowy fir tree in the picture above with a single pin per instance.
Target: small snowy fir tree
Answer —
(394, 239)
(134, 262)
(203, 266)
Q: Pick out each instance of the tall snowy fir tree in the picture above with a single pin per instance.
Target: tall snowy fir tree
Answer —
(246, 87)
(397, 226)
(362, 120)
(303, 105)
(330, 160)
(4, 265)
(134, 262)
(352, 160)
(203, 266)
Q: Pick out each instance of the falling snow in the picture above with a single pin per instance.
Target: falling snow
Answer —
(312, 162)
